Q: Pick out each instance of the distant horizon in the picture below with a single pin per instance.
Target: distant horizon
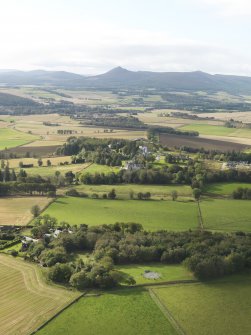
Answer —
(3, 70)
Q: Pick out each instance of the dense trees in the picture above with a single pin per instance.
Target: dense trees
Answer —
(242, 193)
(206, 254)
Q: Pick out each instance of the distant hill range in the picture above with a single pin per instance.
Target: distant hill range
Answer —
(125, 79)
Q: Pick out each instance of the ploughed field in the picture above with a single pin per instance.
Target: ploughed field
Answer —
(152, 214)
(26, 300)
(198, 142)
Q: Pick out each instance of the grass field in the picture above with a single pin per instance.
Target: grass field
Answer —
(226, 215)
(123, 191)
(224, 188)
(213, 308)
(97, 168)
(166, 272)
(46, 171)
(55, 161)
(153, 215)
(125, 312)
(16, 211)
(26, 300)
(10, 138)
(206, 129)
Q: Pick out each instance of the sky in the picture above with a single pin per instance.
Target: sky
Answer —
(93, 36)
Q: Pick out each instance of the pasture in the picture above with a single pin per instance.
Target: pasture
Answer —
(213, 308)
(224, 189)
(166, 272)
(152, 214)
(125, 312)
(26, 300)
(226, 214)
(97, 168)
(123, 190)
(16, 210)
(206, 129)
(10, 138)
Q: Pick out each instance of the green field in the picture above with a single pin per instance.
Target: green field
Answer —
(126, 312)
(224, 188)
(96, 168)
(226, 215)
(46, 171)
(153, 215)
(26, 300)
(166, 272)
(123, 191)
(213, 308)
(206, 129)
(10, 138)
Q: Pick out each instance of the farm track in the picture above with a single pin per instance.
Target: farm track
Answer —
(26, 300)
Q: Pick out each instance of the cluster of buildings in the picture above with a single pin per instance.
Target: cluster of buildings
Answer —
(236, 165)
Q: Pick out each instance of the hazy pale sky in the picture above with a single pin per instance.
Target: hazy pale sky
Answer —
(93, 36)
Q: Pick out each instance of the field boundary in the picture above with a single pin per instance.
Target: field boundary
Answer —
(167, 283)
(57, 314)
(200, 218)
(166, 312)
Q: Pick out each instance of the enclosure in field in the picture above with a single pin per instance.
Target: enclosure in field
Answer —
(152, 214)
(225, 189)
(124, 190)
(26, 301)
(10, 138)
(212, 308)
(166, 272)
(226, 215)
(17, 210)
(125, 312)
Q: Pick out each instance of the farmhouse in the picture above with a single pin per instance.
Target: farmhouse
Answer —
(133, 166)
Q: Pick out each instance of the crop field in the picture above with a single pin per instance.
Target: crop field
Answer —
(225, 189)
(123, 191)
(16, 211)
(166, 272)
(152, 214)
(199, 142)
(26, 300)
(10, 138)
(226, 215)
(213, 308)
(125, 312)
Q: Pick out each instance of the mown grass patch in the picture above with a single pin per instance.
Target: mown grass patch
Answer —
(26, 300)
(166, 272)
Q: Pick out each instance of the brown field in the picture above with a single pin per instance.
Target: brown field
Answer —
(238, 116)
(39, 151)
(16, 211)
(199, 142)
(26, 300)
